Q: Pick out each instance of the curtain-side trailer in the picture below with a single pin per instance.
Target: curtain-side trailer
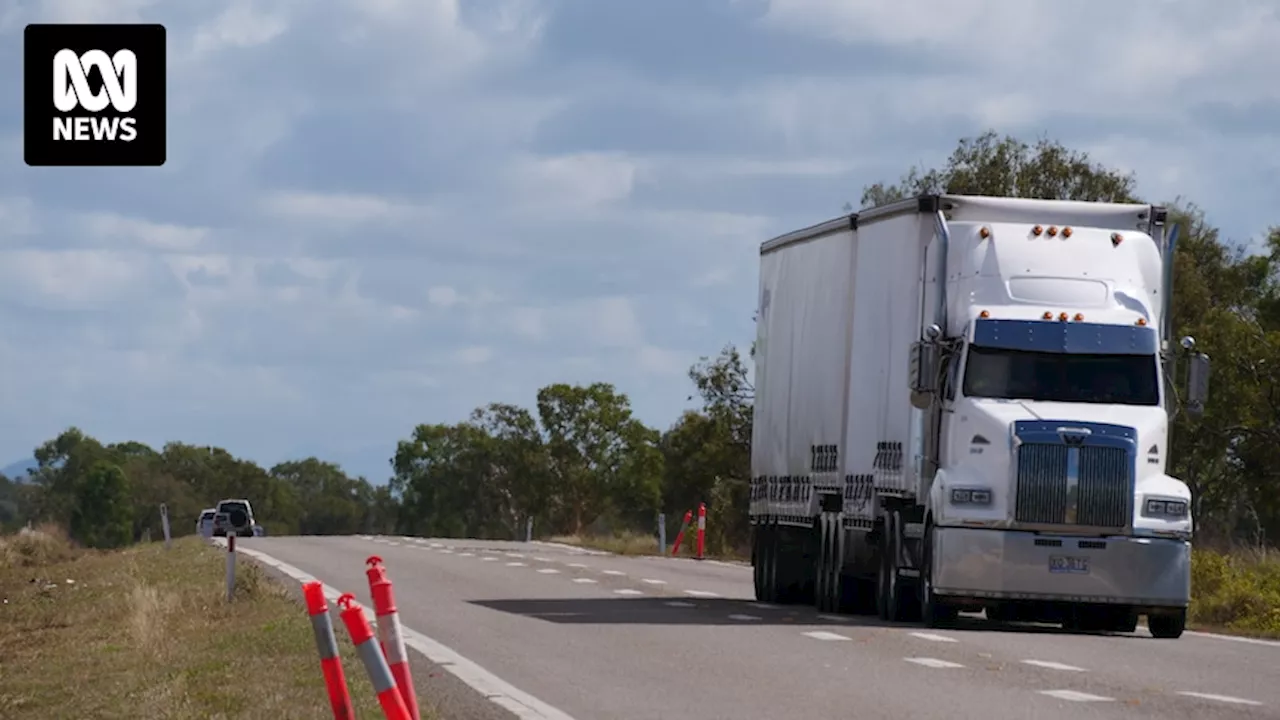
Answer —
(963, 403)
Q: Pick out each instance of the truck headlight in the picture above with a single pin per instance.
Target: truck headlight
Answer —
(970, 496)
(1165, 508)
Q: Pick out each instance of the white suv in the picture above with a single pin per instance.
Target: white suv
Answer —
(239, 517)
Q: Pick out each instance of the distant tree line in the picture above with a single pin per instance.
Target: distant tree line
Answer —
(579, 462)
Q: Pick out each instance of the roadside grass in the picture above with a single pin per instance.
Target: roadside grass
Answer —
(1236, 592)
(145, 632)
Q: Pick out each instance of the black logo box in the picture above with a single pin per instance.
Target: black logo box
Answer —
(148, 43)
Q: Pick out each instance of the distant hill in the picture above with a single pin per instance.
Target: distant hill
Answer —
(18, 470)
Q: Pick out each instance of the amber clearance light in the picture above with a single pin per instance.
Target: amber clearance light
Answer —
(1047, 315)
(1066, 232)
(1037, 230)
(1062, 317)
(1079, 317)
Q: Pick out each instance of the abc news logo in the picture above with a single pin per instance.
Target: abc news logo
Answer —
(108, 101)
(71, 91)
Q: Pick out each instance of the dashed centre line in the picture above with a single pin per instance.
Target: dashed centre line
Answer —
(489, 558)
(549, 571)
(577, 565)
(651, 581)
(584, 581)
(515, 564)
(1220, 698)
(679, 604)
(1075, 696)
(701, 593)
(934, 638)
(824, 635)
(745, 618)
(933, 662)
(627, 591)
(613, 572)
(1053, 665)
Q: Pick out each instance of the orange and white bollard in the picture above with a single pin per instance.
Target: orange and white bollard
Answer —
(702, 529)
(684, 525)
(389, 634)
(335, 681)
(384, 685)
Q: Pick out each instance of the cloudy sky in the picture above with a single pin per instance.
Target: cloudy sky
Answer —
(377, 213)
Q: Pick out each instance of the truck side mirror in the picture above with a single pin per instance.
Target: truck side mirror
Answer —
(924, 373)
(1197, 383)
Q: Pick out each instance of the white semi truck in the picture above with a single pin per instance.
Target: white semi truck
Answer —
(964, 403)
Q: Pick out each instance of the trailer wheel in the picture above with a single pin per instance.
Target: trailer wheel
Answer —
(769, 563)
(757, 561)
(1168, 625)
(829, 587)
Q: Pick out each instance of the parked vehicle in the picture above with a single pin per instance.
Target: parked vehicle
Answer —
(204, 525)
(234, 514)
(963, 403)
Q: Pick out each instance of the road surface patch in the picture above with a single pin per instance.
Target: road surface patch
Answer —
(933, 662)
(1054, 665)
(1075, 696)
(1220, 698)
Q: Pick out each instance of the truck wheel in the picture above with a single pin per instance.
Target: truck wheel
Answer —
(757, 561)
(934, 612)
(1168, 625)
(829, 589)
(769, 564)
(789, 569)
(894, 601)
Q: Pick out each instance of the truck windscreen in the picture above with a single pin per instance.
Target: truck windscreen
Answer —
(1061, 377)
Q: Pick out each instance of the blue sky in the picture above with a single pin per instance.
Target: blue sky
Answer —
(377, 213)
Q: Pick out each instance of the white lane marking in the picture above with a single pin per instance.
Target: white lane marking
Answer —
(1219, 698)
(1053, 665)
(515, 555)
(701, 593)
(1232, 638)
(498, 691)
(549, 571)
(584, 581)
(489, 558)
(766, 606)
(627, 591)
(542, 559)
(933, 662)
(466, 554)
(824, 635)
(393, 542)
(446, 551)
(679, 603)
(834, 618)
(436, 545)
(933, 638)
(1075, 696)
(576, 565)
(613, 572)
(515, 564)
(745, 617)
(651, 581)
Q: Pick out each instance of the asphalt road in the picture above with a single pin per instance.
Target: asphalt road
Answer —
(604, 637)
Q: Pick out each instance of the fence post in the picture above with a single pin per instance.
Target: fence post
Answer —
(528, 530)
(164, 523)
(231, 564)
(702, 529)
(662, 533)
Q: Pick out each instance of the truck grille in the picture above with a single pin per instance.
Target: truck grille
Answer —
(1103, 492)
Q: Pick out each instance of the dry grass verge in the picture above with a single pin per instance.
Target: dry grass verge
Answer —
(147, 633)
(1235, 592)
(632, 543)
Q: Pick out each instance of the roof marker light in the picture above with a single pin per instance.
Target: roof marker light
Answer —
(1066, 232)
(1047, 315)
(985, 233)
(1142, 321)
(1079, 317)
(1053, 231)
(1037, 230)
(1116, 239)
(984, 314)
(1062, 317)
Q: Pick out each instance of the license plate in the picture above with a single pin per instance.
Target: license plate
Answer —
(1067, 564)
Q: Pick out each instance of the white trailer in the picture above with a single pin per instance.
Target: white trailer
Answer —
(995, 441)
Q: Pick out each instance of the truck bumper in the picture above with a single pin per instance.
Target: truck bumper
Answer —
(1015, 565)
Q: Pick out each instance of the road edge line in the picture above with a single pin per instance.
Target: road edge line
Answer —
(493, 688)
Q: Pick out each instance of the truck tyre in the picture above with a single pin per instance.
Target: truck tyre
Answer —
(829, 583)
(895, 601)
(789, 565)
(1167, 625)
(934, 612)
(769, 563)
(757, 561)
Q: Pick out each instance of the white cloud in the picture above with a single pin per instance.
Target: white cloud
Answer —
(580, 180)
(473, 355)
(443, 296)
(341, 208)
(110, 227)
